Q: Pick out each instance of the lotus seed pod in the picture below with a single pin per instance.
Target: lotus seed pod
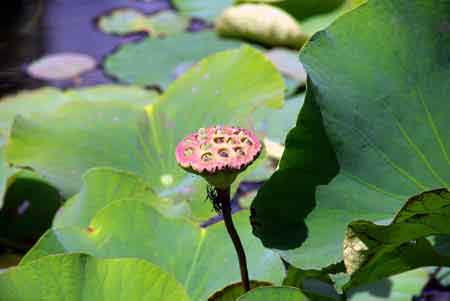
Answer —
(356, 251)
(218, 153)
(261, 23)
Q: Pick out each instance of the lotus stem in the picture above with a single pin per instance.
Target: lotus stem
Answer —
(224, 198)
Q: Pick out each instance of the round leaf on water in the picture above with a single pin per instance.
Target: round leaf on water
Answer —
(127, 21)
(207, 10)
(382, 111)
(155, 61)
(86, 278)
(61, 66)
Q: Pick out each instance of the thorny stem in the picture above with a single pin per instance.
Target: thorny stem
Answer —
(224, 199)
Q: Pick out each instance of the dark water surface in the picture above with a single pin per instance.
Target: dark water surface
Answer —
(33, 28)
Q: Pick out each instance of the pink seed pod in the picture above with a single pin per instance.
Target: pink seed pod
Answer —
(218, 153)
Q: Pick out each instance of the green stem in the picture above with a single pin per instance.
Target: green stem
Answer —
(224, 198)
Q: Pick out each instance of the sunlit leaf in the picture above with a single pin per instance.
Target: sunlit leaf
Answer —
(387, 128)
(83, 277)
(202, 259)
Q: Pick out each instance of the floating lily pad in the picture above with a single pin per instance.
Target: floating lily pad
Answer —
(126, 21)
(207, 10)
(86, 278)
(61, 66)
(155, 62)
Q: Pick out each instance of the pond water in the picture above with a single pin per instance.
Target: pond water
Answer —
(33, 28)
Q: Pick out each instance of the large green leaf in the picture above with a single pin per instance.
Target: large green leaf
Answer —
(274, 294)
(102, 186)
(155, 61)
(372, 252)
(397, 288)
(47, 100)
(82, 135)
(217, 98)
(27, 103)
(315, 23)
(388, 128)
(80, 277)
(202, 259)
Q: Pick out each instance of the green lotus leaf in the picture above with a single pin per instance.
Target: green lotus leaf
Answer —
(372, 252)
(315, 23)
(396, 288)
(123, 136)
(102, 186)
(28, 104)
(83, 277)
(274, 294)
(156, 62)
(207, 10)
(382, 135)
(308, 8)
(260, 23)
(124, 21)
(233, 291)
(202, 259)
